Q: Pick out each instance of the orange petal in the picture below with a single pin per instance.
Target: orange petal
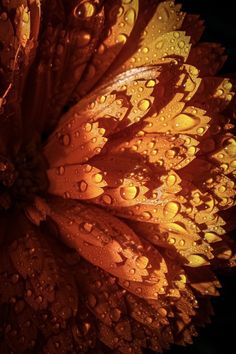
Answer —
(120, 18)
(117, 250)
(76, 181)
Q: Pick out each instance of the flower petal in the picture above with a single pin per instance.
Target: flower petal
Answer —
(120, 18)
(116, 249)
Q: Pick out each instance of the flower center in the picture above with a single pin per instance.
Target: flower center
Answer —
(22, 177)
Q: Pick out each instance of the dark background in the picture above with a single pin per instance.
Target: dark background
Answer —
(220, 336)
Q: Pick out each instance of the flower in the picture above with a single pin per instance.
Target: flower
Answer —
(117, 170)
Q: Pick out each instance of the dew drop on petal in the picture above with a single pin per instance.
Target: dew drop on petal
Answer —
(144, 105)
(121, 38)
(129, 193)
(92, 301)
(85, 10)
(150, 83)
(171, 180)
(171, 209)
(83, 38)
(146, 215)
(172, 241)
(82, 186)
(65, 139)
(142, 262)
(130, 16)
(106, 198)
(184, 122)
(61, 170)
(86, 227)
(97, 178)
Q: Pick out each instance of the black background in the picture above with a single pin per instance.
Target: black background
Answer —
(219, 337)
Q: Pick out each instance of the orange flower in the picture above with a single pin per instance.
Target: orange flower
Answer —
(117, 167)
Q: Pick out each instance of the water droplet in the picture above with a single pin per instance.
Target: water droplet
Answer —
(159, 45)
(88, 168)
(145, 50)
(181, 243)
(29, 293)
(219, 92)
(200, 130)
(147, 215)
(194, 71)
(97, 178)
(85, 10)
(83, 38)
(92, 301)
(106, 198)
(171, 180)
(115, 314)
(151, 83)
(86, 227)
(129, 193)
(171, 153)
(181, 44)
(65, 139)
(222, 189)
(82, 186)
(61, 170)
(142, 262)
(121, 38)
(102, 99)
(171, 209)
(130, 16)
(176, 34)
(191, 150)
(184, 122)
(172, 240)
(143, 105)
(88, 127)
(101, 49)
(15, 278)
(39, 299)
(162, 312)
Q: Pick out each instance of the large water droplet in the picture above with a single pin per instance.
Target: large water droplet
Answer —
(150, 83)
(184, 122)
(121, 38)
(171, 180)
(130, 16)
(144, 105)
(129, 193)
(142, 262)
(97, 178)
(83, 38)
(171, 209)
(85, 10)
